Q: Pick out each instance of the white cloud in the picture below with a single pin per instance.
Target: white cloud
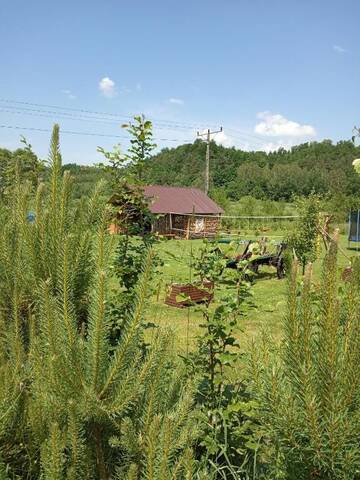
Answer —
(338, 49)
(176, 101)
(107, 87)
(69, 94)
(275, 125)
(275, 146)
(222, 139)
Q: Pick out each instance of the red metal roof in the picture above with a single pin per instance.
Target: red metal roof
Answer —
(180, 200)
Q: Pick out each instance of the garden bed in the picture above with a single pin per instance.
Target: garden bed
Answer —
(182, 295)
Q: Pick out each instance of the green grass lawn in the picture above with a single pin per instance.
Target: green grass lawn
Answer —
(269, 295)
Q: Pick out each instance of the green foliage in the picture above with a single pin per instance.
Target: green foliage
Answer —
(319, 167)
(219, 196)
(131, 212)
(129, 167)
(132, 216)
(305, 240)
(209, 263)
(129, 260)
(227, 434)
(22, 162)
(81, 394)
(131, 209)
(116, 164)
(86, 178)
(142, 145)
(309, 390)
(316, 167)
(73, 405)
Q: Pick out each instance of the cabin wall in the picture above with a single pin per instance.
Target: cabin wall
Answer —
(162, 225)
(203, 227)
(184, 226)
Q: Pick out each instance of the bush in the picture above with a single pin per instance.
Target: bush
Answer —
(305, 239)
(74, 406)
(309, 389)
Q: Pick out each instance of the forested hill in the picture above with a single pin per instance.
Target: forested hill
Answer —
(321, 167)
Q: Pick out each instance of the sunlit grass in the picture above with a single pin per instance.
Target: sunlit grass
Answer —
(269, 295)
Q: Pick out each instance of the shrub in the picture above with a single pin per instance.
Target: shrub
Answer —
(74, 406)
(309, 390)
(305, 240)
(228, 438)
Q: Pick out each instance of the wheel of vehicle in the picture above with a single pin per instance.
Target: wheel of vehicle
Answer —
(280, 268)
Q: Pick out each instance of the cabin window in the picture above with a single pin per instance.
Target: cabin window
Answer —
(199, 225)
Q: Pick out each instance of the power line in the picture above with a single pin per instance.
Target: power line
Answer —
(16, 127)
(246, 134)
(56, 117)
(5, 100)
(69, 116)
(242, 138)
(49, 114)
(72, 116)
(111, 118)
(94, 112)
(94, 134)
(170, 123)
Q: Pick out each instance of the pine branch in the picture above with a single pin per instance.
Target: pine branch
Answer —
(97, 345)
(78, 459)
(52, 455)
(132, 328)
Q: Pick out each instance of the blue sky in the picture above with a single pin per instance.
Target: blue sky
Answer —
(272, 73)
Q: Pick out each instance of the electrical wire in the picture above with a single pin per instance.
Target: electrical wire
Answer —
(107, 114)
(67, 116)
(56, 116)
(169, 124)
(94, 134)
(16, 127)
(92, 116)
(71, 116)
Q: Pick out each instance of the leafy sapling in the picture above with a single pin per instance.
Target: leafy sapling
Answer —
(131, 215)
(306, 240)
(219, 397)
(142, 145)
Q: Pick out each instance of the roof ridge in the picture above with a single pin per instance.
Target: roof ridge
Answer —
(173, 186)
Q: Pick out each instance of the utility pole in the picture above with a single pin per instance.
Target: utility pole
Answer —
(356, 132)
(208, 134)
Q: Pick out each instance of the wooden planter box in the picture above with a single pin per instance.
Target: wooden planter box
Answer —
(182, 295)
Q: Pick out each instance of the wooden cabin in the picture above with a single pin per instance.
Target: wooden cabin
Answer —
(183, 212)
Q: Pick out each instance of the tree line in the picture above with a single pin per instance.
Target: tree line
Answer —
(323, 168)
(316, 167)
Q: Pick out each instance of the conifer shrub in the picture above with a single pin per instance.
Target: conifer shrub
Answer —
(73, 405)
(309, 389)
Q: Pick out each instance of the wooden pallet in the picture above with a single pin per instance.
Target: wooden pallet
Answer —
(184, 295)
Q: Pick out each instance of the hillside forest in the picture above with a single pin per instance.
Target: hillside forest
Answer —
(323, 168)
